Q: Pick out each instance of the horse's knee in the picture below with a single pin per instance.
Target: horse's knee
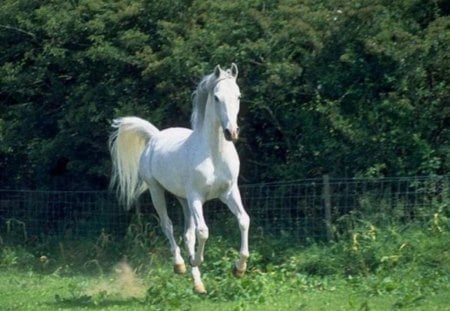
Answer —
(202, 233)
(244, 222)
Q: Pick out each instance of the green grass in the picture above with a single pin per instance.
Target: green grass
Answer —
(370, 267)
(31, 291)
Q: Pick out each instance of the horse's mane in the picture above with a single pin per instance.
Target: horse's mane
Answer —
(199, 99)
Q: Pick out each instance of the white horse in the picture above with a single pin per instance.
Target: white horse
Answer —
(194, 165)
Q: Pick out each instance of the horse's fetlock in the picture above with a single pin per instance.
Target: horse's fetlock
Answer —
(245, 255)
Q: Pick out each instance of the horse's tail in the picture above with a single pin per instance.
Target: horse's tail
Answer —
(126, 145)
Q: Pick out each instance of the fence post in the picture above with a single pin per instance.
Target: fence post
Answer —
(327, 205)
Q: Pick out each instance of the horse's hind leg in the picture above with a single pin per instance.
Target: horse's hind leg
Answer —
(189, 228)
(159, 202)
(189, 238)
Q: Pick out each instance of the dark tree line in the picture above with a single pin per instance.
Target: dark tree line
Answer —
(349, 88)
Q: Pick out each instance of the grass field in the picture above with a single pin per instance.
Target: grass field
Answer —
(33, 291)
(370, 267)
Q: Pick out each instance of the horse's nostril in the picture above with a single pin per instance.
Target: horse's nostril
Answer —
(237, 130)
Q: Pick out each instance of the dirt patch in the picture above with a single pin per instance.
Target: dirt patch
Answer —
(123, 283)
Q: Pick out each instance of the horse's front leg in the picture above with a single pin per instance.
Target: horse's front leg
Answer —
(234, 202)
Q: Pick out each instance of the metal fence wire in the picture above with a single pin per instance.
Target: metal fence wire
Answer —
(312, 209)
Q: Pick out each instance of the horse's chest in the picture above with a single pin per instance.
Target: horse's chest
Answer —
(214, 179)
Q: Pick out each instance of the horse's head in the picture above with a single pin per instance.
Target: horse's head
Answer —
(226, 97)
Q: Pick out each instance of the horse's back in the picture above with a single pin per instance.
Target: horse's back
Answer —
(171, 139)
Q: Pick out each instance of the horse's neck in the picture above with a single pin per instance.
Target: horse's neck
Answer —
(213, 137)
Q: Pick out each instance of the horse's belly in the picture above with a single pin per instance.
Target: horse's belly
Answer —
(165, 160)
(170, 172)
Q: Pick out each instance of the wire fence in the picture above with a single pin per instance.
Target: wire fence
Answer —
(312, 209)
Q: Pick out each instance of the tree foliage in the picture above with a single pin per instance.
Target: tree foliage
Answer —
(340, 87)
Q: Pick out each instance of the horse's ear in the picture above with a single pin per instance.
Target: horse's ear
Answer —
(234, 70)
(217, 71)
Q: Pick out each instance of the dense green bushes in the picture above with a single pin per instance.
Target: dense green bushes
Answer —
(340, 87)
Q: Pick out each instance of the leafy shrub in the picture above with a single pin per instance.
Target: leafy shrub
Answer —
(14, 257)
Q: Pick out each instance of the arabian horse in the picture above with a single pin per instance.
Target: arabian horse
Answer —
(195, 165)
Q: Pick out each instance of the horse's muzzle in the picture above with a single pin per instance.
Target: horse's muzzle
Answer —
(231, 135)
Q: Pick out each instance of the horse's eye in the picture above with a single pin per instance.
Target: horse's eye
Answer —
(216, 98)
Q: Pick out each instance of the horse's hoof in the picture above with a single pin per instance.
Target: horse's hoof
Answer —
(179, 268)
(199, 288)
(237, 272)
